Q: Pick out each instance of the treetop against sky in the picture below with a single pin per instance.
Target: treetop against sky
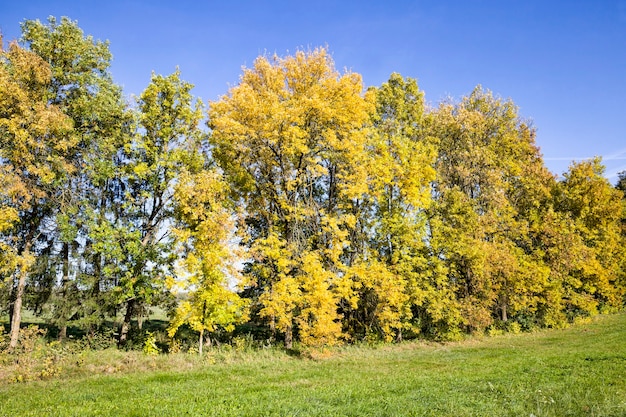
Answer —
(560, 61)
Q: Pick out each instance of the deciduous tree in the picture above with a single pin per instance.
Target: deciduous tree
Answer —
(490, 180)
(207, 275)
(167, 142)
(389, 269)
(290, 138)
(83, 89)
(35, 145)
(595, 209)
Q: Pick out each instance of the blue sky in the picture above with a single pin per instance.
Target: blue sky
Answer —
(562, 62)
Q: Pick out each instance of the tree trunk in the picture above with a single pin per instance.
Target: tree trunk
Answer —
(63, 332)
(16, 317)
(130, 310)
(399, 336)
(62, 320)
(289, 337)
(12, 306)
(505, 318)
(95, 291)
(273, 328)
(201, 342)
(16, 313)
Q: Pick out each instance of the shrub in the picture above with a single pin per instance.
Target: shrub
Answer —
(513, 327)
(149, 345)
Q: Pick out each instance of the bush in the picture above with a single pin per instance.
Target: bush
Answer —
(513, 327)
(150, 346)
(100, 340)
(33, 359)
(493, 330)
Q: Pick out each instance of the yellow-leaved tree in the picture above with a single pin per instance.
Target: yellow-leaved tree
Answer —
(34, 149)
(593, 211)
(207, 276)
(388, 270)
(490, 190)
(291, 138)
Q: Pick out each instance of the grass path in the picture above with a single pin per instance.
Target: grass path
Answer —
(580, 371)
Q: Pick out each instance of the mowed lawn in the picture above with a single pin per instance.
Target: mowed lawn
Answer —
(579, 371)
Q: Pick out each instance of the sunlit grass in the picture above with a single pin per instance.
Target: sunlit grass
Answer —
(580, 371)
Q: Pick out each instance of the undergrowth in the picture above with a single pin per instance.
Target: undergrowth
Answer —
(578, 371)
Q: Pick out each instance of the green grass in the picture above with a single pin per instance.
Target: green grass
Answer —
(579, 371)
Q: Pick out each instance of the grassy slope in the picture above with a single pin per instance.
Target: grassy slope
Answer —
(578, 371)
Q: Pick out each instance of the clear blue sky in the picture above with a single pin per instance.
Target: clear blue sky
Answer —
(562, 62)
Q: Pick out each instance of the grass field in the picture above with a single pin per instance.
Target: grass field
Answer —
(579, 371)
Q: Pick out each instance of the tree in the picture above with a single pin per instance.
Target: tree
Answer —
(82, 88)
(35, 146)
(207, 274)
(8, 259)
(167, 142)
(290, 138)
(621, 182)
(489, 189)
(387, 270)
(594, 209)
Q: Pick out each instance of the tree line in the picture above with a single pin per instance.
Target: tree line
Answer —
(300, 203)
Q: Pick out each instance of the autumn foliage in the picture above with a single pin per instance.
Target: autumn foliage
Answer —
(312, 208)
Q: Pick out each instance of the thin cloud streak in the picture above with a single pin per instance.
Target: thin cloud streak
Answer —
(604, 158)
(615, 156)
(613, 174)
